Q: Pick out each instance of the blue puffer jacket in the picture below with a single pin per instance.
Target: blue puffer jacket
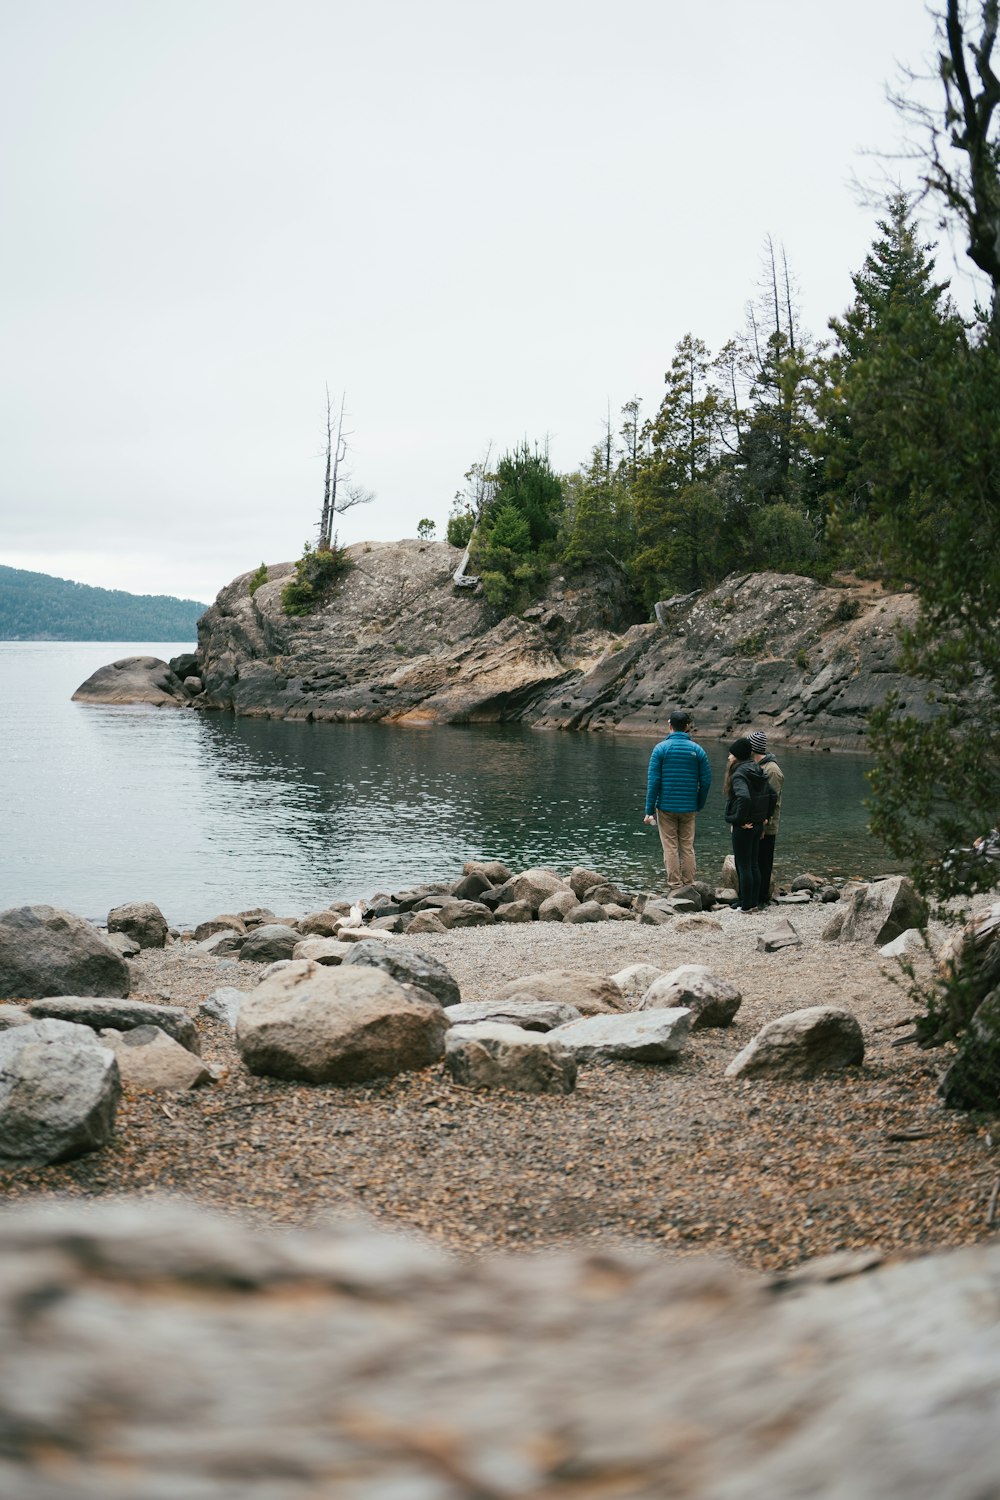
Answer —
(679, 775)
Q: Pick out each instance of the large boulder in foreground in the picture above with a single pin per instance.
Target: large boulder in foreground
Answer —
(155, 1350)
(134, 679)
(803, 1044)
(45, 951)
(59, 1090)
(338, 1025)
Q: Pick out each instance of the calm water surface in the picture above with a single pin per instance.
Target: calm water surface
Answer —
(204, 813)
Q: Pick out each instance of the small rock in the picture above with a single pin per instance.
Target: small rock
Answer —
(783, 935)
(223, 1004)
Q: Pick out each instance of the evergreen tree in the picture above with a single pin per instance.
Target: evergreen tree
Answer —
(889, 344)
(677, 512)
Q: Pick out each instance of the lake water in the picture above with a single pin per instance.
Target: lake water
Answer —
(204, 813)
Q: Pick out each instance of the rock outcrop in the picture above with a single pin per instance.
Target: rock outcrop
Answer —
(398, 641)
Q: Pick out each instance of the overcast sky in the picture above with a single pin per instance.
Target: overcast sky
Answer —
(484, 222)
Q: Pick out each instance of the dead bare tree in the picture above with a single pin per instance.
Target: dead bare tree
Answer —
(339, 495)
(961, 154)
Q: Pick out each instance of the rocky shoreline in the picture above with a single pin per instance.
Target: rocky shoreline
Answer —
(399, 642)
(768, 1166)
(619, 1277)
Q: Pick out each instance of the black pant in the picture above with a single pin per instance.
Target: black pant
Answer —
(746, 852)
(766, 861)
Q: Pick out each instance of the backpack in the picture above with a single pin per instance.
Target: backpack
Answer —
(761, 793)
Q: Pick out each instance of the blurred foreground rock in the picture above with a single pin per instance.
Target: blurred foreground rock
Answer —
(154, 1352)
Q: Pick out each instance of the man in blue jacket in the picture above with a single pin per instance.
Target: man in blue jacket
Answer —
(677, 789)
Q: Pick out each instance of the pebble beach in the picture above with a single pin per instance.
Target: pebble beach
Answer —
(676, 1156)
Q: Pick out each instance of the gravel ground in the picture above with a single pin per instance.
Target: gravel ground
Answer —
(766, 1173)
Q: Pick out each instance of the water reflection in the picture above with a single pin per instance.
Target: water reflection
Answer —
(204, 813)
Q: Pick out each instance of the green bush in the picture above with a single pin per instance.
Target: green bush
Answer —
(460, 528)
(316, 573)
(257, 578)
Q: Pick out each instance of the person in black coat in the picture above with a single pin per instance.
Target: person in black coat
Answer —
(750, 801)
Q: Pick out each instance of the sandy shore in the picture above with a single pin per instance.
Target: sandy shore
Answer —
(678, 1155)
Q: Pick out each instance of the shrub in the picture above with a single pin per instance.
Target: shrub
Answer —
(316, 573)
(257, 578)
(460, 528)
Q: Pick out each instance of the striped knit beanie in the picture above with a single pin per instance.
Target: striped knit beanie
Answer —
(758, 739)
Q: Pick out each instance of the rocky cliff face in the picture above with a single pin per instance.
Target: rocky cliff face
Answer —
(802, 660)
(398, 641)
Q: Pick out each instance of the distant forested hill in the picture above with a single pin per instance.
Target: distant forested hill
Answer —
(35, 607)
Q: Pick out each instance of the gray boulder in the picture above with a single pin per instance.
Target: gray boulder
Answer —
(910, 941)
(323, 950)
(586, 911)
(223, 1004)
(530, 1015)
(471, 886)
(517, 911)
(45, 951)
(492, 870)
(590, 994)
(581, 880)
(803, 1044)
(489, 1054)
(264, 945)
(407, 965)
(426, 921)
(149, 1061)
(712, 1001)
(557, 906)
(324, 924)
(13, 1015)
(121, 1015)
(126, 946)
(344, 1025)
(59, 1090)
(635, 980)
(649, 1036)
(134, 679)
(782, 935)
(216, 924)
(142, 921)
(532, 886)
(882, 911)
(658, 913)
(458, 913)
(224, 942)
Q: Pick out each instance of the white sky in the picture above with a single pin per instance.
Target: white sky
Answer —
(483, 221)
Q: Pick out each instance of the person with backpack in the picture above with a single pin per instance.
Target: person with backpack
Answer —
(676, 791)
(776, 777)
(750, 801)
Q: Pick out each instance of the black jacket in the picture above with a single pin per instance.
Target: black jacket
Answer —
(752, 798)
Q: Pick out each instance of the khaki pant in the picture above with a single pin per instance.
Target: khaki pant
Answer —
(676, 832)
